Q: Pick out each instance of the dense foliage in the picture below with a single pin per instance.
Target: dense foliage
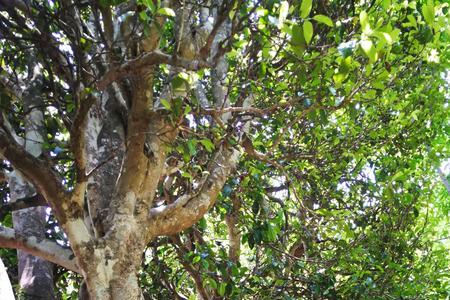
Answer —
(336, 194)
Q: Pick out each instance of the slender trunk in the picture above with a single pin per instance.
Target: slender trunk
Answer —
(35, 274)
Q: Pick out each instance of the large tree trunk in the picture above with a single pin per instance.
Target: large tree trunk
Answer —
(120, 138)
(35, 273)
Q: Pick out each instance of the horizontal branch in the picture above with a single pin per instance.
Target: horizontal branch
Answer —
(135, 66)
(44, 248)
(188, 209)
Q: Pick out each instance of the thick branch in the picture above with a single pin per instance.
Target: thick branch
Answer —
(146, 60)
(188, 209)
(46, 249)
(77, 136)
(36, 170)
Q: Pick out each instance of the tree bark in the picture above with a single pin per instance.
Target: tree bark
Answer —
(120, 160)
(35, 273)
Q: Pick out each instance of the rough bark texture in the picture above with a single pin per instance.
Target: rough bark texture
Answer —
(234, 234)
(120, 139)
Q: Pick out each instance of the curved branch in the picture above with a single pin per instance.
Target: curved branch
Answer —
(36, 170)
(188, 209)
(46, 249)
(146, 60)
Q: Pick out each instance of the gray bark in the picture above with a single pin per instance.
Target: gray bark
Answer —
(119, 167)
(35, 273)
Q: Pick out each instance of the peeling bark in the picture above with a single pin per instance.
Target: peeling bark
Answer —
(188, 209)
(105, 149)
(120, 140)
(44, 248)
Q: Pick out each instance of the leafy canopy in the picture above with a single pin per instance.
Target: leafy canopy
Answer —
(336, 194)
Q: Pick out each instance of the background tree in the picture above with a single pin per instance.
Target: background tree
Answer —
(310, 132)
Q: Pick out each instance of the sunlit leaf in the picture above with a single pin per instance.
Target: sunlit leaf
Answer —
(284, 9)
(308, 31)
(369, 49)
(323, 19)
(305, 8)
(428, 12)
(166, 11)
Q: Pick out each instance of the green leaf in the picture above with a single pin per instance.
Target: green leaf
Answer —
(395, 34)
(143, 15)
(202, 224)
(211, 282)
(209, 146)
(222, 288)
(196, 259)
(369, 49)
(399, 176)
(412, 21)
(284, 9)
(339, 78)
(323, 19)
(384, 37)
(166, 104)
(364, 21)
(149, 4)
(187, 110)
(298, 42)
(186, 175)
(305, 8)
(166, 11)
(205, 264)
(191, 147)
(308, 31)
(428, 12)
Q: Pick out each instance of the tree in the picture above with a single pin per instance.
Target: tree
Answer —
(308, 124)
